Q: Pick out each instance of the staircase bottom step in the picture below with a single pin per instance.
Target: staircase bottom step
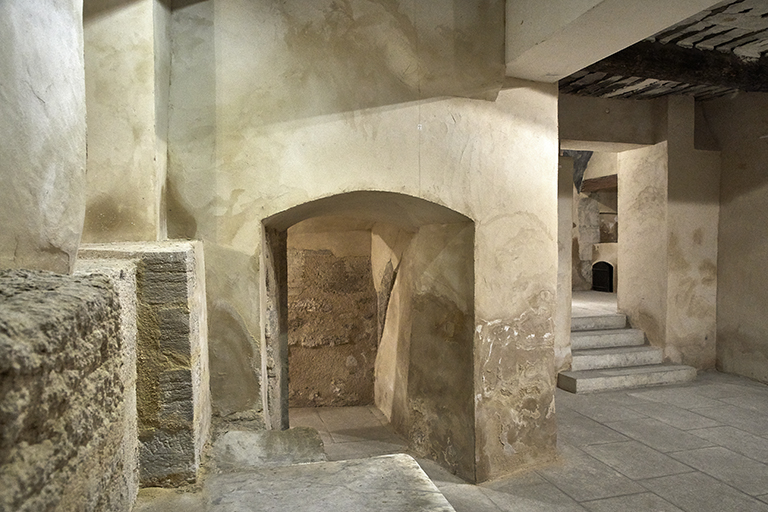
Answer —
(589, 381)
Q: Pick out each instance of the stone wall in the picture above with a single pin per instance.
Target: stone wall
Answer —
(173, 397)
(67, 422)
(332, 335)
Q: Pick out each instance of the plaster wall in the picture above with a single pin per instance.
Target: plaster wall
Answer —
(642, 282)
(127, 73)
(286, 130)
(436, 413)
(601, 164)
(600, 120)
(42, 157)
(565, 190)
(692, 227)
(667, 219)
(740, 127)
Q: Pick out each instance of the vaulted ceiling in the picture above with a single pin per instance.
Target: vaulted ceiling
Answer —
(715, 53)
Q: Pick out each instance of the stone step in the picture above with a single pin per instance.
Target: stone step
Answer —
(616, 357)
(594, 323)
(588, 381)
(583, 340)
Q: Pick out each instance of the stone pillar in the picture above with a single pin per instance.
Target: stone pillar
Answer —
(173, 395)
(42, 128)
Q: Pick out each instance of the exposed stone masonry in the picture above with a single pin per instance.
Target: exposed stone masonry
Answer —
(62, 408)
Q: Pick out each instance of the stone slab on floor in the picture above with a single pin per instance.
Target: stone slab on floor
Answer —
(239, 450)
(588, 381)
(391, 483)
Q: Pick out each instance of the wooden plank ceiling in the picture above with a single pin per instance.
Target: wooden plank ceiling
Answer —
(715, 53)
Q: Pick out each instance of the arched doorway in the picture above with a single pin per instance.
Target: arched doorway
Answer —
(422, 258)
(602, 277)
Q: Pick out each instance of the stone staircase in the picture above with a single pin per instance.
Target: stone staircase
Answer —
(608, 356)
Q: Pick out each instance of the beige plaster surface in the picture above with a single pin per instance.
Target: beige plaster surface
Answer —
(127, 70)
(667, 218)
(42, 156)
(692, 217)
(565, 189)
(740, 127)
(599, 120)
(278, 130)
(602, 164)
(642, 290)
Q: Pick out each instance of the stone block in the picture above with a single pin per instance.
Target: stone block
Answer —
(173, 393)
(64, 411)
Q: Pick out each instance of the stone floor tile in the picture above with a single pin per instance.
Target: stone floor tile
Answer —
(739, 441)
(658, 435)
(578, 430)
(585, 478)
(684, 397)
(644, 502)
(754, 402)
(342, 418)
(529, 493)
(601, 411)
(697, 492)
(309, 417)
(635, 460)
(156, 499)
(672, 415)
(735, 469)
(467, 498)
(241, 450)
(738, 417)
(763, 498)
(362, 449)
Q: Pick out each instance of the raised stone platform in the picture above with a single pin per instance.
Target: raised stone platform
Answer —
(623, 378)
(391, 483)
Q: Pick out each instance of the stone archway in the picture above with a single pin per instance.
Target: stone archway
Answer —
(423, 256)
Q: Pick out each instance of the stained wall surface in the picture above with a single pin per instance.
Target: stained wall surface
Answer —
(740, 126)
(692, 226)
(428, 344)
(279, 119)
(642, 282)
(42, 157)
(127, 71)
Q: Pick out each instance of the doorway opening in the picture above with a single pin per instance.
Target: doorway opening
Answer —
(602, 277)
(368, 301)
